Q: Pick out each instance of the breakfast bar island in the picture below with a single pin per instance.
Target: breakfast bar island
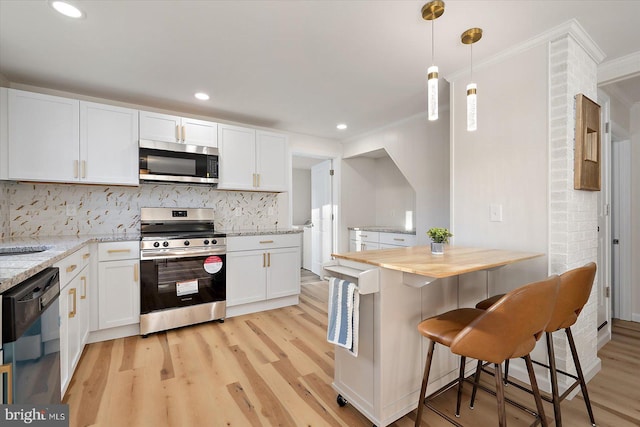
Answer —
(399, 288)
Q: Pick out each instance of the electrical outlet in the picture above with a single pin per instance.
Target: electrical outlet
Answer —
(71, 210)
(495, 214)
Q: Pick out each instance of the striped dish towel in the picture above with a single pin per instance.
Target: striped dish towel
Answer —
(344, 306)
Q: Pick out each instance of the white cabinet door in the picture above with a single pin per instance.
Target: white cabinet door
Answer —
(159, 127)
(65, 307)
(199, 132)
(283, 272)
(108, 144)
(83, 308)
(4, 133)
(246, 277)
(368, 246)
(237, 157)
(70, 345)
(272, 161)
(118, 293)
(43, 137)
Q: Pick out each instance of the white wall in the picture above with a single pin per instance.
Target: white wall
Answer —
(394, 195)
(420, 149)
(301, 195)
(359, 196)
(635, 211)
(504, 162)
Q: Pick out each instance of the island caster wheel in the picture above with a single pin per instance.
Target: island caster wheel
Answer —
(220, 320)
(145, 336)
(342, 402)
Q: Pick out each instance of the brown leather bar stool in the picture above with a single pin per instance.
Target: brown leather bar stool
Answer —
(507, 329)
(575, 288)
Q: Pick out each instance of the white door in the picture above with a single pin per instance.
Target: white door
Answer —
(321, 215)
(621, 233)
(108, 144)
(43, 137)
(246, 277)
(272, 161)
(604, 225)
(237, 147)
(199, 132)
(119, 293)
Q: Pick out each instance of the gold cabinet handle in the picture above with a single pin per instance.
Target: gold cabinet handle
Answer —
(364, 235)
(178, 133)
(7, 369)
(264, 259)
(118, 251)
(83, 169)
(75, 168)
(135, 273)
(268, 259)
(265, 241)
(84, 287)
(85, 256)
(184, 134)
(71, 268)
(398, 240)
(258, 175)
(72, 313)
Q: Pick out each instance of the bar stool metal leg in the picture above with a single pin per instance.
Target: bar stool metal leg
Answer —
(476, 379)
(583, 383)
(425, 381)
(502, 415)
(463, 360)
(536, 391)
(554, 379)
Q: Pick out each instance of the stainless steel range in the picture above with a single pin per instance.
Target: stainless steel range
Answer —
(182, 269)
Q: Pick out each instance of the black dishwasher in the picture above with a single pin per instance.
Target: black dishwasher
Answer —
(31, 339)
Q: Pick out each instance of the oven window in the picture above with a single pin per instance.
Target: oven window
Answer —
(171, 165)
(171, 283)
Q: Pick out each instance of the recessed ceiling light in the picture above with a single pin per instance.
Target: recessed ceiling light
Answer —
(67, 9)
(202, 96)
(341, 126)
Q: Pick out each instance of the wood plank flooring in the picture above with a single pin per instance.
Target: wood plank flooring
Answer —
(275, 368)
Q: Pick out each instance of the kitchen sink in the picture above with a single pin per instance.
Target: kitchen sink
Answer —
(22, 250)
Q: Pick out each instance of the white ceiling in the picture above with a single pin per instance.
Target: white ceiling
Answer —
(301, 66)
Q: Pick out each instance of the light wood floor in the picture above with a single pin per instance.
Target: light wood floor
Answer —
(275, 368)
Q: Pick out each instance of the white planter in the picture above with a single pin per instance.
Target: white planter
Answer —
(437, 248)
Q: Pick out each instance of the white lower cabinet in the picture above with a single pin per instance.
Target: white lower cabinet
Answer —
(362, 240)
(263, 272)
(118, 284)
(74, 311)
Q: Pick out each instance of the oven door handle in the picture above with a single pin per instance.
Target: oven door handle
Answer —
(180, 253)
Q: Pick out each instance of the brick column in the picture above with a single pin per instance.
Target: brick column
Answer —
(573, 214)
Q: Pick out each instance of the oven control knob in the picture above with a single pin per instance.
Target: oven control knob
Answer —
(206, 242)
(214, 242)
(186, 243)
(165, 244)
(156, 244)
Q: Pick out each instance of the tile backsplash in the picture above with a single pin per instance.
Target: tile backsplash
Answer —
(69, 209)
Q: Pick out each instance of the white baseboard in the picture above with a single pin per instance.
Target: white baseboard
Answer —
(635, 317)
(114, 333)
(604, 336)
(238, 310)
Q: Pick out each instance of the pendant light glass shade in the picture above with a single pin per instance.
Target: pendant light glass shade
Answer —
(430, 12)
(472, 107)
(432, 88)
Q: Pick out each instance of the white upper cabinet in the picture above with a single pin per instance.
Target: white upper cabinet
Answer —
(182, 130)
(237, 147)
(108, 144)
(43, 137)
(4, 132)
(272, 161)
(65, 140)
(253, 160)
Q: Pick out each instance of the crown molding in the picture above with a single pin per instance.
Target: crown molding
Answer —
(619, 68)
(571, 28)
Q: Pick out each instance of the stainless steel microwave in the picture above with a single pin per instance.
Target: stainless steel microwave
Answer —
(172, 162)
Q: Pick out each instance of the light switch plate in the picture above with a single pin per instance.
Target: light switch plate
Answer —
(495, 214)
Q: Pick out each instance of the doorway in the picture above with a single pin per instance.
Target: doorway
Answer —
(314, 210)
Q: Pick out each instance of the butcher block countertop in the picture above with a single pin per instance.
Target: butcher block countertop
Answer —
(456, 260)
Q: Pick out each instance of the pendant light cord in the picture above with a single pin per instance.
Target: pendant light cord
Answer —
(472, 62)
(433, 46)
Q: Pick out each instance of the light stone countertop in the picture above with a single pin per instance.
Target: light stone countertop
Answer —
(383, 229)
(16, 268)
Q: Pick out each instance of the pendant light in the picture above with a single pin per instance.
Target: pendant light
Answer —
(469, 37)
(430, 12)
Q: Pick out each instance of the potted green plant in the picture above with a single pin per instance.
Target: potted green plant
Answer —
(438, 236)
